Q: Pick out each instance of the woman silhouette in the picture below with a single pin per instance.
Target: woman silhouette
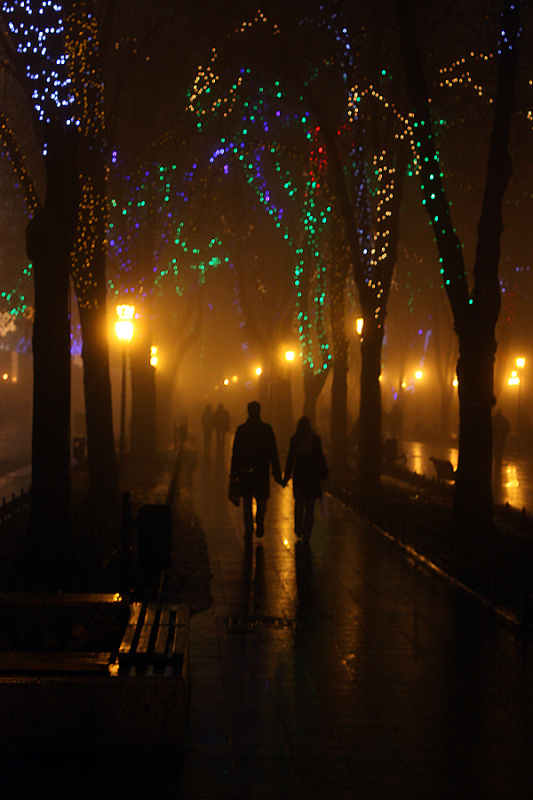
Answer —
(307, 467)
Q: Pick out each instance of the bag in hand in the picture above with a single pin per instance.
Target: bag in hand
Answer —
(233, 491)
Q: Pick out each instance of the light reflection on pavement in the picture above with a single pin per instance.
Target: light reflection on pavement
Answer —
(516, 487)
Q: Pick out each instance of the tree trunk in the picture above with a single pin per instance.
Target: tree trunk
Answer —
(475, 314)
(313, 385)
(370, 445)
(339, 413)
(101, 455)
(339, 387)
(473, 508)
(446, 397)
(52, 556)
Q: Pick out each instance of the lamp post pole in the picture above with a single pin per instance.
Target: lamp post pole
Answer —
(520, 363)
(122, 440)
(418, 424)
(124, 331)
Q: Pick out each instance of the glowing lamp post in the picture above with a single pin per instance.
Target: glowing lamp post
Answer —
(124, 331)
(515, 380)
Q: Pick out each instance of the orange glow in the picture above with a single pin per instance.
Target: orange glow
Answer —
(124, 323)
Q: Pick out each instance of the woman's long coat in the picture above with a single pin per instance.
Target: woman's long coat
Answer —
(307, 470)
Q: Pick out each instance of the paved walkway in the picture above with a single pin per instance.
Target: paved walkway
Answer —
(346, 670)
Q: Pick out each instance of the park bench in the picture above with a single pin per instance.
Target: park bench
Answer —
(131, 700)
(156, 640)
(444, 469)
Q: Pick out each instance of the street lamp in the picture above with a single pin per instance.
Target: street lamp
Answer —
(515, 380)
(124, 331)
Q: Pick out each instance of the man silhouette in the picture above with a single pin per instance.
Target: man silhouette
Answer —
(254, 453)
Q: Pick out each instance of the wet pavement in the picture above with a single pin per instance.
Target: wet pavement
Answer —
(346, 669)
(515, 486)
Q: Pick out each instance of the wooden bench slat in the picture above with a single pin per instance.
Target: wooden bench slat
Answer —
(158, 638)
(179, 643)
(135, 613)
(146, 632)
(182, 614)
(130, 634)
(161, 642)
(55, 662)
(164, 618)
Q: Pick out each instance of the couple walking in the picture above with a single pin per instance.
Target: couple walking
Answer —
(255, 453)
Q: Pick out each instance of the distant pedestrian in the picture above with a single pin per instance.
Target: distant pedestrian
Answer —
(221, 424)
(254, 453)
(500, 431)
(307, 466)
(207, 427)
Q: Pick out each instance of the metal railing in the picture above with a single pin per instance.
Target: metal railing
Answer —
(512, 599)
(12, 511)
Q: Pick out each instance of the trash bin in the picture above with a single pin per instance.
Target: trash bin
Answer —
(155, 538)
